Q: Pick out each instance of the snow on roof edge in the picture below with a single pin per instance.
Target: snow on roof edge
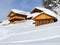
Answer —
(18, 11)
(47, 11)
(21, 12)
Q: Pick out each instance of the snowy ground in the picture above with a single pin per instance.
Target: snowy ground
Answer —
(27, 32)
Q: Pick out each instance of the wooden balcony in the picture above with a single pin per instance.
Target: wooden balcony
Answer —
(16, 17)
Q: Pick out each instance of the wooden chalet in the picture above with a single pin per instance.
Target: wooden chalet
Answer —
(16, 16)
(45, 17)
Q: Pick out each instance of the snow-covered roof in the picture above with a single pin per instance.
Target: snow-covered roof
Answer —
(35, 14)
(28, 14)
(18, 11)
(21, 12)
(32, 15)
(47, 11)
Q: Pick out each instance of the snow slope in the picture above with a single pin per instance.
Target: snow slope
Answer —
(27, 26)
(27, 33)
(35, 35)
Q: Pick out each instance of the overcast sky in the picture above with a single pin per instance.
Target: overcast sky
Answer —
(26, 5)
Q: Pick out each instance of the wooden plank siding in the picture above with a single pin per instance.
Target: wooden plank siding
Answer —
(16, 20)
(43, 21)
(16, 17)
(11, 14)
(43, 16)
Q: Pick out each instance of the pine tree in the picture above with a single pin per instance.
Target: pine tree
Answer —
(50, 3)
(53, 5)
(46, 4)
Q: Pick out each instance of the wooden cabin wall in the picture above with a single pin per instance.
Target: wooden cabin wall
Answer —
(17, 17)
(12, 21)
(42, 16)
(43, 21)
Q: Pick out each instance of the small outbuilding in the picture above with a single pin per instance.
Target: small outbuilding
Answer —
(16, 16)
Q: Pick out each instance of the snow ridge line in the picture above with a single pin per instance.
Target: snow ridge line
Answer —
(25, 41)
(35, 30)
(29, 32)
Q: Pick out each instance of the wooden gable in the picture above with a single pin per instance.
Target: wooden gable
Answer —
(36, 10)
(11, 14)
(43, 16)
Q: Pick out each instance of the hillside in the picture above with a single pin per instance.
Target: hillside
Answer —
(27, 32)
